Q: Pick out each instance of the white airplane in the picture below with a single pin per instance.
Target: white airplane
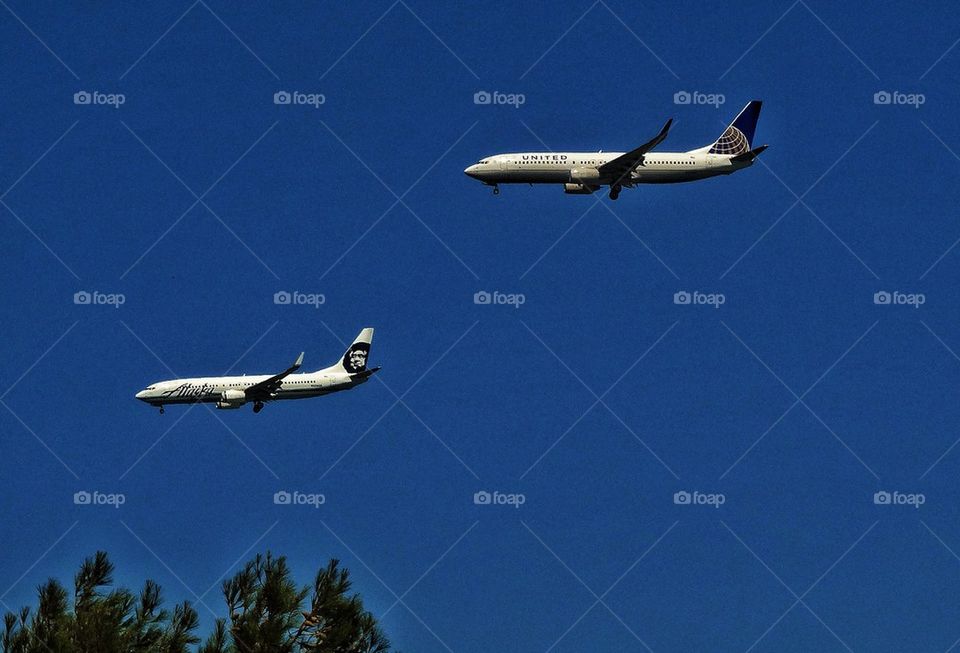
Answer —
(582, 173)
(234, 391)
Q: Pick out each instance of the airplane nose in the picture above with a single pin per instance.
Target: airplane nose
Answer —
(141, 395)
(471, 171)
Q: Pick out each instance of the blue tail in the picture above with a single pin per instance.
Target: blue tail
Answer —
(738, 137)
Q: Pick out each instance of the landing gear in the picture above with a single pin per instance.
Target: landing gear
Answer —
(257, 406)
(496, 190)
(614, 192)
(161, 410)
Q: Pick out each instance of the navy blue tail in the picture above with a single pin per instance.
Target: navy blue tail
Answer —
(738, 137)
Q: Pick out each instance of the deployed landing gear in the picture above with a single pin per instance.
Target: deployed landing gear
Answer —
(614, 192)
(257, 406)
(161, 410)
(496, 190)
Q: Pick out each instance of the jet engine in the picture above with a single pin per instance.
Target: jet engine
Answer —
(579, 189)
(585, 174)
(232, 399)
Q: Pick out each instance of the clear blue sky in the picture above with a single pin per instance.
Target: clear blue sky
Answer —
(597, 399)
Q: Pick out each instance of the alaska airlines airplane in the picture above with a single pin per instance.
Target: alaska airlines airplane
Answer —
(234, 391)
(582, 173)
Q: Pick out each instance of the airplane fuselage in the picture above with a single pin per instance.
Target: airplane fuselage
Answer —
(583, 168)
(582, 173)
(212, 389)
(229, 392)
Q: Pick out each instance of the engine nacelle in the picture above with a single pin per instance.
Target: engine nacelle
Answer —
(579, 189)
(587, 174)
(232, 399)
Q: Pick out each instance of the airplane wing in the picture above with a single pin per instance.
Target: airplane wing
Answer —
(620, 168)
(265, 389)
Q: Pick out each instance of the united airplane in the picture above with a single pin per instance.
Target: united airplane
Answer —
(229, 392)
(582, 173)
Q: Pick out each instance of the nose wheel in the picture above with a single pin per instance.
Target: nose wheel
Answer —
(161, 410)
(496, 190)
(257, 406)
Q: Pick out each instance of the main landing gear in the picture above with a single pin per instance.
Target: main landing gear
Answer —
(614, 192)
(257, 406)
(161, 409)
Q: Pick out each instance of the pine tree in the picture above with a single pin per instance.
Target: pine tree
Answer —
(268, 613)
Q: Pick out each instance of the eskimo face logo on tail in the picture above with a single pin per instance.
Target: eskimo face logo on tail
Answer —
(355, 360)
(732, 141)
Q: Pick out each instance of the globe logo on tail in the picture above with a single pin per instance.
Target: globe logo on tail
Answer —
(732, 142)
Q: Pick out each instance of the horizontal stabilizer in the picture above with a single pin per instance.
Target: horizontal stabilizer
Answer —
(749, 156)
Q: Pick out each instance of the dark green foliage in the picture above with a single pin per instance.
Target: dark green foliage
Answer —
(265, 616)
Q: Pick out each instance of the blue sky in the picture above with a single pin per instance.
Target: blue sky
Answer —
(598, 399)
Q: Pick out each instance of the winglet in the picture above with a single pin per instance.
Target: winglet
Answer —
(659, 138)
(666, 127)
(264, 390)
(621, 167)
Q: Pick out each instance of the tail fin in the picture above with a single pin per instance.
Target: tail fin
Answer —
(738, 137)
(354, 360)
